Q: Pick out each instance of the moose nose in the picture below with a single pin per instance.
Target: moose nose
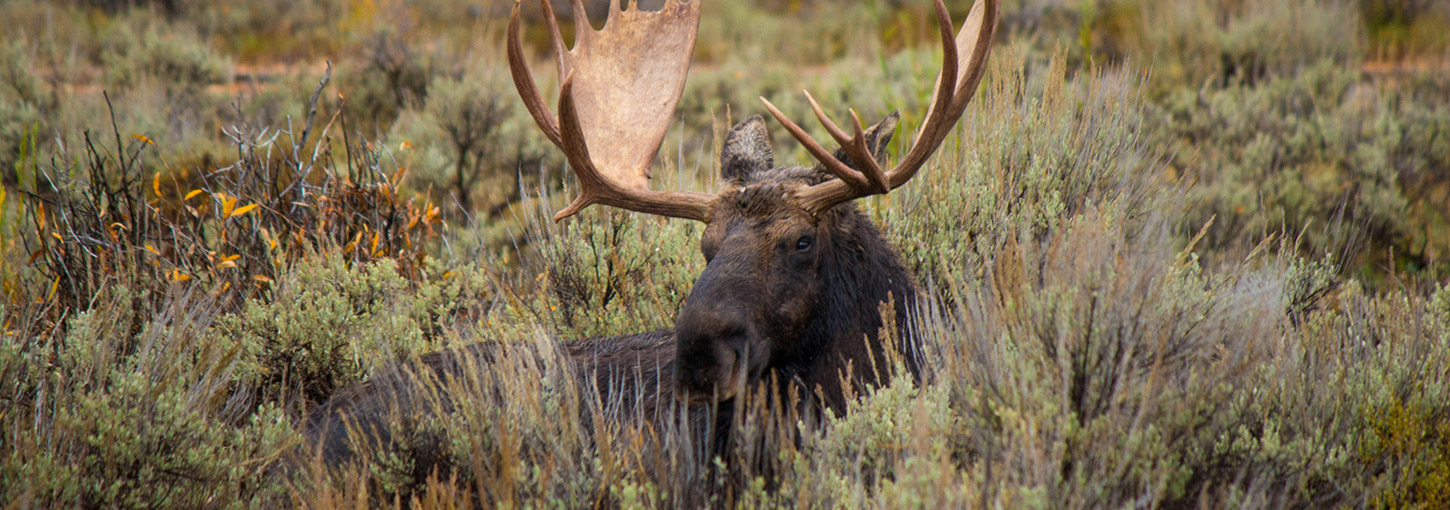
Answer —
(710, 373)
(710, 353)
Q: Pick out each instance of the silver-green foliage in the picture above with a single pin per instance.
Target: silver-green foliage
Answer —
(1192, 42)
(132, 412)
(135, 49)
(611, 273)
(1322, 154)
(326, 324)
(1034, 150)
(23, 103)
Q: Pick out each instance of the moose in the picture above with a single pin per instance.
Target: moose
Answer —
(796, 276)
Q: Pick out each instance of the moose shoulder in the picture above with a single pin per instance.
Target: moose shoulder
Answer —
(796, 276)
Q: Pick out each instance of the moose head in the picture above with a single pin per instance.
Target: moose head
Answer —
(796, 275)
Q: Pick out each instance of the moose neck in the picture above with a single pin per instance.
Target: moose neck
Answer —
(860, 273)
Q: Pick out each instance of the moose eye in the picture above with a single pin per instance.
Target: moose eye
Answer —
(804, 243)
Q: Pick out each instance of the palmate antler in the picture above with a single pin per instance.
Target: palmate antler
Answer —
(619, 89)
(620, 86)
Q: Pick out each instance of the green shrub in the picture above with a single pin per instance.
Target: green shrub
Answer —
(102, 213)
(818, 31)
(1416, 435)
(1192, 42)
(1100, 334)
(1032, 153)
(24, 102)
(1306, 283)
(1319, 155)
(271, 30)
(327, 323)
(1374, 433)
(390, 78)
(136, 49)
(471, 145)
(1439, 309)
(893, 448)
(611, 273)
(1407, 28)
(132, 412)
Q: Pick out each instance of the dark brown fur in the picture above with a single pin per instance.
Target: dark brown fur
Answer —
(803, 316)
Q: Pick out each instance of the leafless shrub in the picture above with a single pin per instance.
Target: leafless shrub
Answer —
(110, 215)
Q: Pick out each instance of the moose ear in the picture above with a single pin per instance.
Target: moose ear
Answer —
(746, 152)
(878, 137)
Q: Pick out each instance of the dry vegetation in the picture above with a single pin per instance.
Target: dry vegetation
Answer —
(1191, 253)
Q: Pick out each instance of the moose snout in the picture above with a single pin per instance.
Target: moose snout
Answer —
(711, 373)
(711, 355)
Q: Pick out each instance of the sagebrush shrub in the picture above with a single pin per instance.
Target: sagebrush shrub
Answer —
(327, 323)
(1155, 265)
(135, 50)
(134, 412)
(611, 273)
(23, 103)
(1322, 156)
(1193, 42)
(1036, 150)
(470, 146)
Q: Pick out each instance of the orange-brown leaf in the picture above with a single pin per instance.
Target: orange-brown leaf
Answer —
(228, 204)
(242, 210)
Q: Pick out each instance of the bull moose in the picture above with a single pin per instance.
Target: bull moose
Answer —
(796, 275)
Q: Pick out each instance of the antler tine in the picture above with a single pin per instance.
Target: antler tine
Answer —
(980, 48)
(939, 117)
(524, 79)
(826, 121)
(953, 91)
(556, 39)
(860, 152)
(831, 164)
(581, 22)
(872, 178)
(946, 84)
(591, 183)
(575, 150)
